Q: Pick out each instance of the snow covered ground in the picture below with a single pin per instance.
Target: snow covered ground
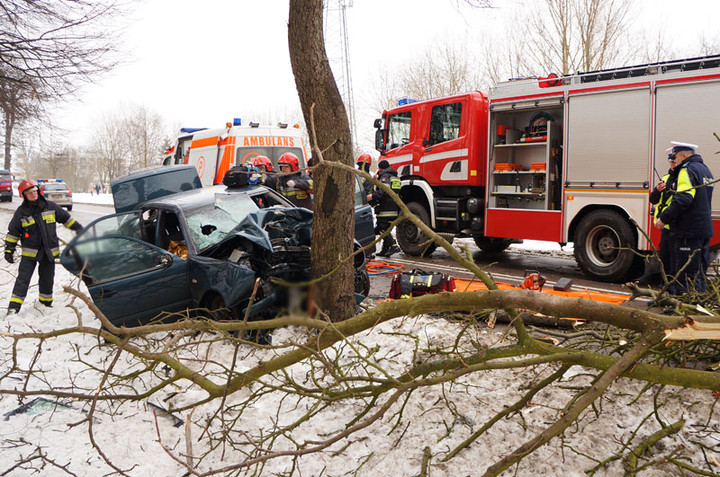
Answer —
(438, 417)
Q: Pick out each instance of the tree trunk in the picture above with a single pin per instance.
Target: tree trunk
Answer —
(333, 224)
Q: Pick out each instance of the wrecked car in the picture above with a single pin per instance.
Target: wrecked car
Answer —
(201, 248)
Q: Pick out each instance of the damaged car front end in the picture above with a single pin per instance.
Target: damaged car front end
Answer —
(229, 254)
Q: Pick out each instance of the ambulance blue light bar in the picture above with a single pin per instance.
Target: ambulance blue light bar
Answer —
(191, 130)
(237, 121)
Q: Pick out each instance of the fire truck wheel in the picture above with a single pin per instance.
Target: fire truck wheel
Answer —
(604, 246)
(491, 244)
(411, 239)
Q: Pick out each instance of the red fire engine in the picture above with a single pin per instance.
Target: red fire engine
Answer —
(562, 159)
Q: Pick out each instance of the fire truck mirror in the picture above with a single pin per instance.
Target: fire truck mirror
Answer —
(379, 140)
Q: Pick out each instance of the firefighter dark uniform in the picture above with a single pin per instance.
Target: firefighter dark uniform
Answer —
(663, 198)
(690, 220)
(364, 161)
(293, 184)
(386, 210)
(34, 226)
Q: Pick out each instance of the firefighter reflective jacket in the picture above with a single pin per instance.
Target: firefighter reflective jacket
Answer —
(33, 225)
(385, 207)
(663, 198)
(298, 188)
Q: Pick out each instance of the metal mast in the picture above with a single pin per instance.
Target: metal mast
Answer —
(338, 52)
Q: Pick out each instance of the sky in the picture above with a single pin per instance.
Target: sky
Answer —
(200, 64)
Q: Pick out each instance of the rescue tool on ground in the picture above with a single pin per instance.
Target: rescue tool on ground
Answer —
(561, 159)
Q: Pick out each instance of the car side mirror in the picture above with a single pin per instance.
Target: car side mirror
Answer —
(164, 260)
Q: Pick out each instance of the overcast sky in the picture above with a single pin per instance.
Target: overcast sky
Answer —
(202, 63)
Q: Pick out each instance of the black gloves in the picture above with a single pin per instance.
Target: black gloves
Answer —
(9, 256)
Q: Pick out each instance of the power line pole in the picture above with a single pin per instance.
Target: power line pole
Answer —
(338, 52)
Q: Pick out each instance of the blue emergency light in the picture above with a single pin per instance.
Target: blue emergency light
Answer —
(404, 101)
(237, 122)
(191, 130)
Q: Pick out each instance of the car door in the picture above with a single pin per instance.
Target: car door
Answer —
(130, 280)
(364, 226)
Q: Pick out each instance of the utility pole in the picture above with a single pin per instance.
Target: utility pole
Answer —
(338, 53)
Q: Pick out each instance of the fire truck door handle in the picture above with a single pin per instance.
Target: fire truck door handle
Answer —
(428, 149)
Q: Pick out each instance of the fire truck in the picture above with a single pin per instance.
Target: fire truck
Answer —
(562, 159)
(214, 151)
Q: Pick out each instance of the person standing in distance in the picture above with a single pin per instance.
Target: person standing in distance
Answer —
(386, 210)
(689, 216)
(33, 225)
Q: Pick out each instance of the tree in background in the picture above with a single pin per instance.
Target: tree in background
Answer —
(110, 148)
(146, 133)
(48, 48)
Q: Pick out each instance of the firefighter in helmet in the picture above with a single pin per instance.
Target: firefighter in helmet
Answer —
(386, 210)
(292, 183)
(364, 161)
(34, 226)
(265, 166)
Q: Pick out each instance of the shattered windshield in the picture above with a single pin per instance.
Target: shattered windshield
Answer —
(209, 224)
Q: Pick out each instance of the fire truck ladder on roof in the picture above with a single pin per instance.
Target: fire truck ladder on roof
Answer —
(689, 64)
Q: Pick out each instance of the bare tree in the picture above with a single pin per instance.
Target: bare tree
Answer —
(146, 133)
(48, 48)
(110, 146)
(442, 69)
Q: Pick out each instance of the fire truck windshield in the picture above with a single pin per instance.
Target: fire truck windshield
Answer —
(398, 126)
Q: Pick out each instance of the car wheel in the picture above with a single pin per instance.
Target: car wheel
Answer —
(362, 281)
(604, 246)
(410, 238)
(491, 244)
(217, 309)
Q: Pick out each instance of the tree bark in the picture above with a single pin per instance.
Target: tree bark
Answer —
(330, 140)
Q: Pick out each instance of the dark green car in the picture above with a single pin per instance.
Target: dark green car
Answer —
(200, 248)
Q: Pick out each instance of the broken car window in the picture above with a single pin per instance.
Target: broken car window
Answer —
(210, 224)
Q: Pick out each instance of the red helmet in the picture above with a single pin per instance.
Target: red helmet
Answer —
(25, 185)
(262, 161)
(291, 160)
(364, 159)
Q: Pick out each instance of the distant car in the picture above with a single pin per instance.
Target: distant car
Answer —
(6, 188)
(57, 191)
(201, 248)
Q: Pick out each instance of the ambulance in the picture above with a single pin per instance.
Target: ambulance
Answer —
(214, 151)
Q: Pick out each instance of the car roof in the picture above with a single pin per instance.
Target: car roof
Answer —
(198, 197)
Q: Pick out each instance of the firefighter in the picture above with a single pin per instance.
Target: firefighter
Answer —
(292, 183)
(265, 166)
(661, 195)
(690, 220)
(34, 226)
(386, 210)
(364, 161)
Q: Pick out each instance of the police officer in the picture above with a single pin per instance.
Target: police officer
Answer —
(293, 184)
(386, 210)
(364, 161)
(689, 218)
(34, 226)
(661, 195)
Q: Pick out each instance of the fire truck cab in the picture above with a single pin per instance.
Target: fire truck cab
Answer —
(214, 151)
(563, 159)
